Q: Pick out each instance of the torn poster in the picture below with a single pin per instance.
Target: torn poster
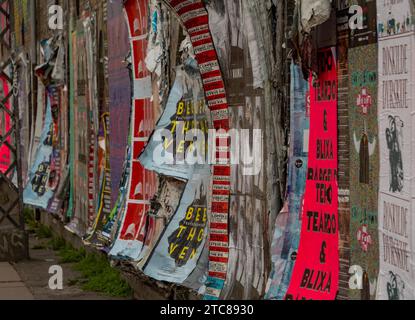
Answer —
(103, 176)
(79, 132)
(162, 209)
(58, 158)
(396, 139)
(180, 247)
(170, 151)
(287, 238)
(38, 191)
(316, 271)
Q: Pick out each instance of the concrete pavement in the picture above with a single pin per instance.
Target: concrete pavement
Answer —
(11, 285)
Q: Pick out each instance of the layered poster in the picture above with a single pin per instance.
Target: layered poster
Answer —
(171, 151)
(364, 155)
(119, 91)
(38, 191)
(5, 126)
(58, 158)
(102, 159)
(316, 271)
(91, 85)
(142, 184)
(195, 19)
(79, 133)
(180, 247)
(396, 138)
(287, 236)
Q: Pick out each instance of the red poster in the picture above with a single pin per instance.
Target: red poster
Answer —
(5, 155)
(316, 272)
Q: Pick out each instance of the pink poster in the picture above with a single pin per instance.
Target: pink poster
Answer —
(316, 272)
(5, 155)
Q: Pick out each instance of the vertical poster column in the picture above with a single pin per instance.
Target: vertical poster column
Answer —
(119, 91)
(195, 19)
(131, 238)
(287, 236)
(316, 272)
(396, 106)
(344, 148)
(364, 155)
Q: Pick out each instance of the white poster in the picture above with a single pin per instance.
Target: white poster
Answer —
(397, 190)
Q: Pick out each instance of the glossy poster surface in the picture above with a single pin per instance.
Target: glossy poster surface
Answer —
(316, 271)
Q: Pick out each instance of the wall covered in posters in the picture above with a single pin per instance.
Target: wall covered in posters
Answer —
(342, 116)
(396, 107)
(248, 218)
(195, 20)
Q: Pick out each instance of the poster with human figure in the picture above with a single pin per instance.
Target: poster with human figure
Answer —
(396, 137)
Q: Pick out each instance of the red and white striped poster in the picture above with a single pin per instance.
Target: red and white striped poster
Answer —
(142, 184)
(195, 19)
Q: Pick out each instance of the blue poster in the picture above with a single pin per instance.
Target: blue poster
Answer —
(180, 248)
(172, 149)
(38, 192)
(287, 236)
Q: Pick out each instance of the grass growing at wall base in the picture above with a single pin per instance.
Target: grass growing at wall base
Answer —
(97, 275)
(101, 277)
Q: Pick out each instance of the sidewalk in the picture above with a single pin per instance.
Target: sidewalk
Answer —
(11, 285)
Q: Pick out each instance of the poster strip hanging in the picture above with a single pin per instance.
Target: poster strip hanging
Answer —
(364, 154)
(142, 184)
(119, 91)
(396, 138)
(287, 238)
